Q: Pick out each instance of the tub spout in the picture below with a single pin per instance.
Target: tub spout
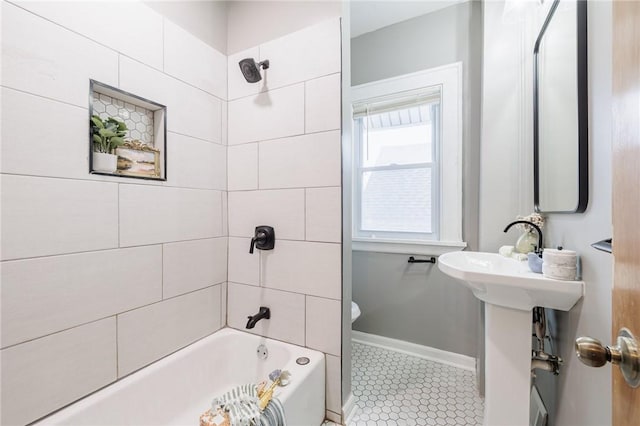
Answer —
(264, 313)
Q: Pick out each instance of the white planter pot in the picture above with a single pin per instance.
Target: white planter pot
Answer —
(106, 163)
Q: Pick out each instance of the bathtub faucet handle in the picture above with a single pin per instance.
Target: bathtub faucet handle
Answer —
(265, 313)
(264, 238)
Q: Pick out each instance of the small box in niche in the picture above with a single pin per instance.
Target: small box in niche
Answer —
(127, 134)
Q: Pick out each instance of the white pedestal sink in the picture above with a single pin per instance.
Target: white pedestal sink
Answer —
(510, 292)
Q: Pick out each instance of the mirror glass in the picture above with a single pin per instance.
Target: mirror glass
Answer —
(560, 110)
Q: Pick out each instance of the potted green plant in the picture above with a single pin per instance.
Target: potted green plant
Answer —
(107, 135)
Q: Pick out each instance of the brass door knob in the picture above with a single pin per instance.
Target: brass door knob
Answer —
(625, 354)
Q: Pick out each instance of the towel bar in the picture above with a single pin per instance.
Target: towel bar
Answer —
(414, 260)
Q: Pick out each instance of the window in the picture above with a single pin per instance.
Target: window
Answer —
(407, 171)
(397, 179)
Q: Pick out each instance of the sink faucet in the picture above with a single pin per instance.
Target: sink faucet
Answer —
(536, 227)
(264, 313)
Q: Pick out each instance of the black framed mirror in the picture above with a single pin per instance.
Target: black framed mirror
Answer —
(560, 127)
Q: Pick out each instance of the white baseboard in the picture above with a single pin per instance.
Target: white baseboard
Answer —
(349, 410)
(425, 352)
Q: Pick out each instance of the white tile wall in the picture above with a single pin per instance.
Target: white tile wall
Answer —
(268, 115)
(192, 112)
(334, 381)
(36, 150)
(181, 224)
(152, 332)
(180, 50)
(43, 295)
(192, 265)
(225, 123)
(42, 58)
(322, 104)
(242, 161)
(282, 209)
(243, 267)
(324, 214)
(304, 267)
(45, 374)
(66, 232)
(139, 33)
(42, 216)
(287, 312)
(304, 55)
(238, 86)
(302, 161)
(151, 214)
(324, 324)
(225, 213)
(194, 163)
(224, 291)
(284, 170)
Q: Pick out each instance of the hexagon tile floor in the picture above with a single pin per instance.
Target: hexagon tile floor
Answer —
(392, 388)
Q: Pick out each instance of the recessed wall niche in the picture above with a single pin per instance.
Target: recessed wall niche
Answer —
(127, 134)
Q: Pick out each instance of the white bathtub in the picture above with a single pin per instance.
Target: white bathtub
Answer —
(178, 388)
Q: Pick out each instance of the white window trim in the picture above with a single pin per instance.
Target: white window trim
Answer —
(449, 77)
(379, 245)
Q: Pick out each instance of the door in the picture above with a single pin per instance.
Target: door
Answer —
(626, 195)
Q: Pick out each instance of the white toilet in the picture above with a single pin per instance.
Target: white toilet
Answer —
(355, 311)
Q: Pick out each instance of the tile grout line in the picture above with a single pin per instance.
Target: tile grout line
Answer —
(164, 45)
(285, 291)
(258, 164)
(162, 270)
(288, 136)
(111, 248)
(113, 50)
(209, 286)
(282, 189)
(83, 107)
(305, 323)
(117, 350)
(149, 184)
(118, 207)
(25, 92)
(293, 241)
(285, 86)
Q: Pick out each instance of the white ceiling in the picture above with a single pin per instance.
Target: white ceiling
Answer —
(367, 15)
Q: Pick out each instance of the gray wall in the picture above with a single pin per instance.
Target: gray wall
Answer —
(507, 165)
(443, 314)
(415, 303)
(577, 403)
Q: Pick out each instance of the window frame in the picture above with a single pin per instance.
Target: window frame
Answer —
(449, 160)
(359, 169)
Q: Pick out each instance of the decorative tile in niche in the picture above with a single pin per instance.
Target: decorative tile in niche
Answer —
(127, 134)
(136, 118)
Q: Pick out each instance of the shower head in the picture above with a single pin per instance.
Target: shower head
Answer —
(250, 69)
